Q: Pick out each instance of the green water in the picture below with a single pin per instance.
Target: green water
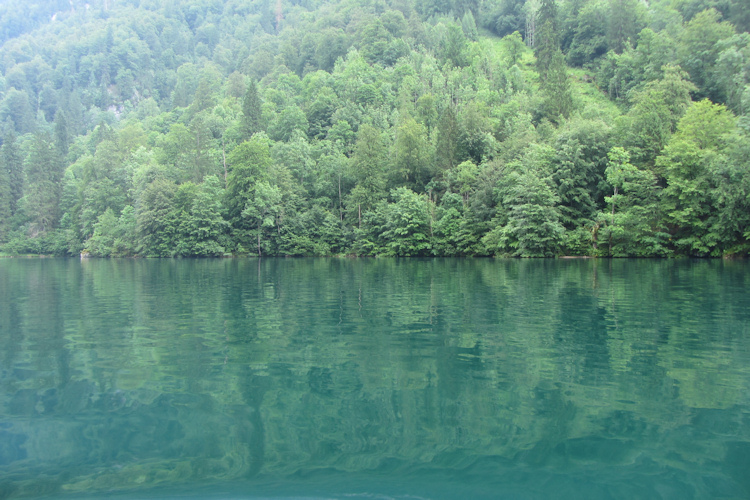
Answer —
(381, 378)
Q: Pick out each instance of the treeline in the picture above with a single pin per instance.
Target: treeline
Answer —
(536, 128)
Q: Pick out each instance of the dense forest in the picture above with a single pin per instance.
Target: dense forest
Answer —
(375, 127)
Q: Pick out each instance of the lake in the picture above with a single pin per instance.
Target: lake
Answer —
(374, 378)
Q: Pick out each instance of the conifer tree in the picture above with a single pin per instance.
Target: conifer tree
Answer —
(623, 24)
(62, 138)
(547, 38)
(43, 183)
(4, 201)
(251, 110)
(12, 162)
(447, 140)
(558, 97)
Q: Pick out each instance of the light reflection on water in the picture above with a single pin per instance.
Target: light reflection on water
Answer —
(381, 378)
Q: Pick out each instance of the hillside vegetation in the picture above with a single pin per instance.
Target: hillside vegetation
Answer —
(446, 127)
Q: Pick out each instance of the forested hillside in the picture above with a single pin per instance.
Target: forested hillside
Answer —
(371, 127)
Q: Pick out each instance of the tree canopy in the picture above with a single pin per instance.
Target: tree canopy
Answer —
(505, 127)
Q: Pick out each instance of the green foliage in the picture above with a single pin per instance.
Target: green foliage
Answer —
(449, 226)
(632, 226)
(474, 140)
(454, 46)
(368, 170)
(375, 40)
(463, 178)
(407, 229)
(578, 169)
(262, 210)
(251, 111)
(533, 227)
(316, 231)
(589, 39)
(16, 109)
(43, 174)
(515, 47)
(249, 164)
(413, 156)
(558, 100)
(699, 49)
(505, 17)
(157, 222)
(653, 118)
(469, 26)
(446, 154)
(689, 162)
(291, 120)
(11, 162)
(202, 230)
(624, 23)
(169, 129)
(731, 180)
(400, 228)
(623, 74)
(546, 45)
(5, 205)
(113, 236)
(732, 72)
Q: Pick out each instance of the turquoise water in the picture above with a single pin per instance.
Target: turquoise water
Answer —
(379, 378)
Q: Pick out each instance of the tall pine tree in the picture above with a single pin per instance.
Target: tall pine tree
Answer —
(43, 185)
(62, 137)
(12, 162)
(556, 88)
(547, 39)
(251, 110)
(623, 23)
(5, 213)
(447, 140)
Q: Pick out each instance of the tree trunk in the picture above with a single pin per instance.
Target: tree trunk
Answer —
(613, 221)
(341, 212)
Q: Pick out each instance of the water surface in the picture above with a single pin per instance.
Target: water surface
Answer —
(378, 378)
